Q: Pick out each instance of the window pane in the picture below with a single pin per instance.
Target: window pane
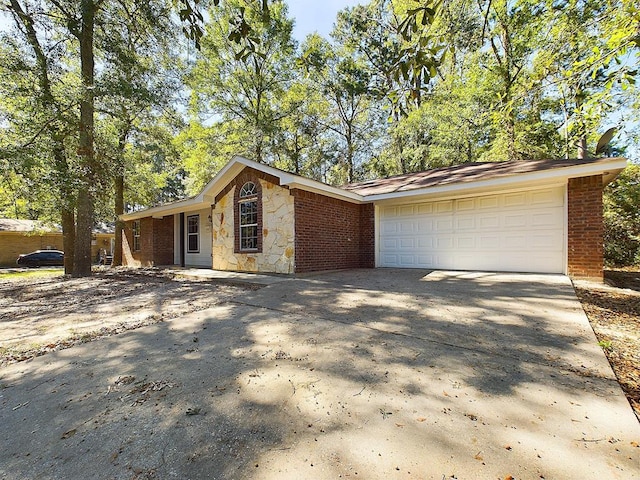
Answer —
(249, 237)
(247, 190)
(193, 243)
(192, 224)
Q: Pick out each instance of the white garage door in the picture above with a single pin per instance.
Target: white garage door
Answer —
(517, 232)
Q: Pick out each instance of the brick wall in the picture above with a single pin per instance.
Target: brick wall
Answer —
(13, 244)
(585, 229)
(156, 243)
(331, 234)
(163, 240)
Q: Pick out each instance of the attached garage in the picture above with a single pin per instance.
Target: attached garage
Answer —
(539, 216)
(518, 231)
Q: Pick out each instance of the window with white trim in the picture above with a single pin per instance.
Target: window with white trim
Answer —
(193, 234)
(248, 216)
(136, 235)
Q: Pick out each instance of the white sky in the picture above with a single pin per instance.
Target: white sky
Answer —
(310, 15)
(316, 15)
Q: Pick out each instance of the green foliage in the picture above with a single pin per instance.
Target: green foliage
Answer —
(622, 219)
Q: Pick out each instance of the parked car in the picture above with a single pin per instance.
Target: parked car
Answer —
(41, 258)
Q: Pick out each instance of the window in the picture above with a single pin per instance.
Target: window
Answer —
(248, 216)
(136, 235)
(193, 234)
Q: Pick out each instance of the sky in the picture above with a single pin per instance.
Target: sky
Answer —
(315, 15)
(310, 15)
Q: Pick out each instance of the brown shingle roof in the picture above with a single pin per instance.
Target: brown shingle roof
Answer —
(467, 172)
(25, 226)
(15, 225)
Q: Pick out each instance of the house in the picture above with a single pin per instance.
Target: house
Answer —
(521, 216)
(24, 236)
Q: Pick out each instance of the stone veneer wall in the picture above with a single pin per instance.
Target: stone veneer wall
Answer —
(585, 229)
(277, 254)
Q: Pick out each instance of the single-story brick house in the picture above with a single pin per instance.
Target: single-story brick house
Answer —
(540, 216)
(23, 236)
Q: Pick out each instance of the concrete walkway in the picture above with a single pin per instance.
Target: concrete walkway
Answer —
(362, 374)
(225, 276)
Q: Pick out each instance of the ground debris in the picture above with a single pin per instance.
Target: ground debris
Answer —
(57, 312)
(614, 313)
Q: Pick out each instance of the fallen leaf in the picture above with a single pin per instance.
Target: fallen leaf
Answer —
(400, 425)
(421, 419)
(68, 434)
(478, 457)
(445, 394)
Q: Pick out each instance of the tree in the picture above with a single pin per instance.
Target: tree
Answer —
(46, 107)
(344, 82)
(622, 218)
(241, 88)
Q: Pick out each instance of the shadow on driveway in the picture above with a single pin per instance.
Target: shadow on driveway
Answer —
(366, 374)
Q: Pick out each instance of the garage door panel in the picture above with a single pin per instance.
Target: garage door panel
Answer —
(515, 200)
(521, 231)
(466, 222)
(407, 243)
(515, 220)
(488, 202)
(488, 221)
(444, 225)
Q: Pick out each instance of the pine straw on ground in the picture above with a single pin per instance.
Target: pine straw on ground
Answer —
(613, 310)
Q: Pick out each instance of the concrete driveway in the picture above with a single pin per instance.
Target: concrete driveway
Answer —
(358, 374)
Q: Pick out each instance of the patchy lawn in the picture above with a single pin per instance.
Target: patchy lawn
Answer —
(42, 310)
(614, 313)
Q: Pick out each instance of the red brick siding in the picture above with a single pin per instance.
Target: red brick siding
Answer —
(156, 242)
(163, 240)
(367, 236)
(585, 229)
(331, 234)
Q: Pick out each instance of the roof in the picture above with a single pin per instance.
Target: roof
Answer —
(17, 225)
(33, 226)
(465, 173)
(465, 179)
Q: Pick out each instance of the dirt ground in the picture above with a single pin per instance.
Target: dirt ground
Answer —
(43, 313)
(48, 313)
(613, 310)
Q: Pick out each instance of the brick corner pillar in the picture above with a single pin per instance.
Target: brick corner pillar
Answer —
(367, 236)
(585, 228)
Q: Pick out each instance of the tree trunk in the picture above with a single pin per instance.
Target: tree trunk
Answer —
(82, 254)
(119, 194)
(68, 239)
(67, 202)
(119, 210)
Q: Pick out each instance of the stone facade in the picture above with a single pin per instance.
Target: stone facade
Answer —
(585, 229)
(276, 254)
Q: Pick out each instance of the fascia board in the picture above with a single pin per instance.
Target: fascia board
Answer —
(295, 181)
(189, 205)
(326, 190)
(527, 179)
